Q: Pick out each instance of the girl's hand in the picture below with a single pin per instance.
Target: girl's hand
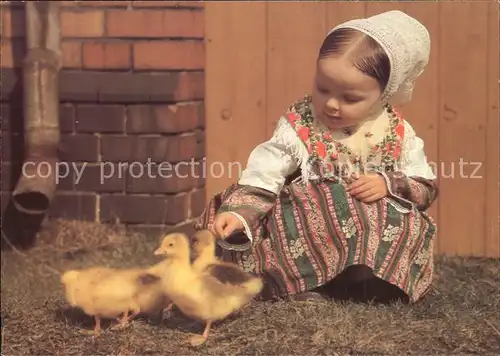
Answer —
(225, 224)
(368, 188)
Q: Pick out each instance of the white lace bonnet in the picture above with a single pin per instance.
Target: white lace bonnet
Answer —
(407, 44)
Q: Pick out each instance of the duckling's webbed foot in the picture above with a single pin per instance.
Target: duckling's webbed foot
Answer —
(198, 340)
(122, 323)
(133, 315)
(97, 328)
(89, 332)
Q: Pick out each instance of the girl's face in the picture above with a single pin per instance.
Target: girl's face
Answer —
(342, 95)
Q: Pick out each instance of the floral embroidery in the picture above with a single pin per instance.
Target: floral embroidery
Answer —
(293, 116)
(248, 263)
(422, 258)
(397, 151)
(332, 157)
(349, 228)
(304, 132)
(321, 149)
(400, 129)
(297, 248)
(390, 233)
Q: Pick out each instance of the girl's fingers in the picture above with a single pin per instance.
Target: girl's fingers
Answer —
(231, 227)
(368, 193)
(219, 227)
(366, 186)
(372, 198)
(356, 185)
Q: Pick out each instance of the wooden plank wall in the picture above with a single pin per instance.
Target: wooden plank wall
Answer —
(261, 56)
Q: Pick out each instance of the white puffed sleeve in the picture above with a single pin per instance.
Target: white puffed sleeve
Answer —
(271, 162)
(414, 160)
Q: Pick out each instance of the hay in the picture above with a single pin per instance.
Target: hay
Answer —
(459, 316)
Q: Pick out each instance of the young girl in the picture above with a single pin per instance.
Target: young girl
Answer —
(337, 197)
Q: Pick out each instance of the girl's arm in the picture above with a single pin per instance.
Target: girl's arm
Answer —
(414, 182)
(267, 168)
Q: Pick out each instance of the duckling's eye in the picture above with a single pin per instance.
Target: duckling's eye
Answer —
(171, 244)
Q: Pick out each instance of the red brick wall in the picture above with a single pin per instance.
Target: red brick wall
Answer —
(131, 90)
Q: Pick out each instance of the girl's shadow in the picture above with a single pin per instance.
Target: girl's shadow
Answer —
(173, 320)
(75, 317)
(176, 320)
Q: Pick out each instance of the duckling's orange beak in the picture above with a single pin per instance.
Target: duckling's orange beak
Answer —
(159, 251)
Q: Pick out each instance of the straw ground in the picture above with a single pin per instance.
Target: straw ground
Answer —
(459, 316)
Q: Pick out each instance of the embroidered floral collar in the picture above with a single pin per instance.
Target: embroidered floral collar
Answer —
(328, 154)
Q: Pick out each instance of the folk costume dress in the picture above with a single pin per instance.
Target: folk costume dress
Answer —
(302, 226)
(305, 231)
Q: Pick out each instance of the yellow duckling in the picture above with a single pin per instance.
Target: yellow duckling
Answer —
(207, 294)
(203, 251)
(204, 259)
(104, 292)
